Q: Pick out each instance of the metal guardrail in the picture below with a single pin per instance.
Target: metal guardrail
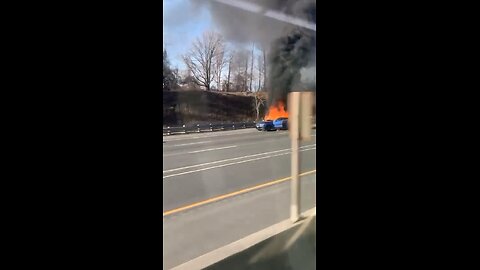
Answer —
(210, 127)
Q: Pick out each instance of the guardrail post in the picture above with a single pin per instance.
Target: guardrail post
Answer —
(223, 126)
(233, 125)
(211, 128)
(244, 125)
(198, 128)
(184, 129)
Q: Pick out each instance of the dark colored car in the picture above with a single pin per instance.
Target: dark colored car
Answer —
(265, 125)
(281, 123)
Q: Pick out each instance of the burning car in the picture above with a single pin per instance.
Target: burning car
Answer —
(265, 125)
(281, 123)
(276, 118)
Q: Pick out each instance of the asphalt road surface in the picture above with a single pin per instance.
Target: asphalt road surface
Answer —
(219, 187)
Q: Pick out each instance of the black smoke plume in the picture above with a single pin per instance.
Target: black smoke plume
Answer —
(292, 49)
(292, 65)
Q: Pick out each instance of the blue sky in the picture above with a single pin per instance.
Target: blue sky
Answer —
(183, 21)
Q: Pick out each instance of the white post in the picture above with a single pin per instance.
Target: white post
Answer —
(294, 115)
(295, 184)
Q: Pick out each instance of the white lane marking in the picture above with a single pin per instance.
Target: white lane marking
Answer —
(236, 158)
(183, 144)
(223, 140)
(233, 163)
(236, 132)
(212, 149)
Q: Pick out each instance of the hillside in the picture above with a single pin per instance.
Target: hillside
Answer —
(187, 107)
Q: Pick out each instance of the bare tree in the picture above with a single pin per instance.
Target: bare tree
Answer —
(259, 100)
(170, 75)
(230, 60)
(260, 69)
(239, 69)
(251, 69)
(202, 57)
(219, 64)
(245, 74)
(264, 53)
(239, 82)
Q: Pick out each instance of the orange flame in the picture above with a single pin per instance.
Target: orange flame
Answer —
(276, 110)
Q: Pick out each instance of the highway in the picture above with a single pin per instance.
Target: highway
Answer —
(219, 187)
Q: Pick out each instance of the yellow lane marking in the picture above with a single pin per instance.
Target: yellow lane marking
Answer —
(214, 199)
